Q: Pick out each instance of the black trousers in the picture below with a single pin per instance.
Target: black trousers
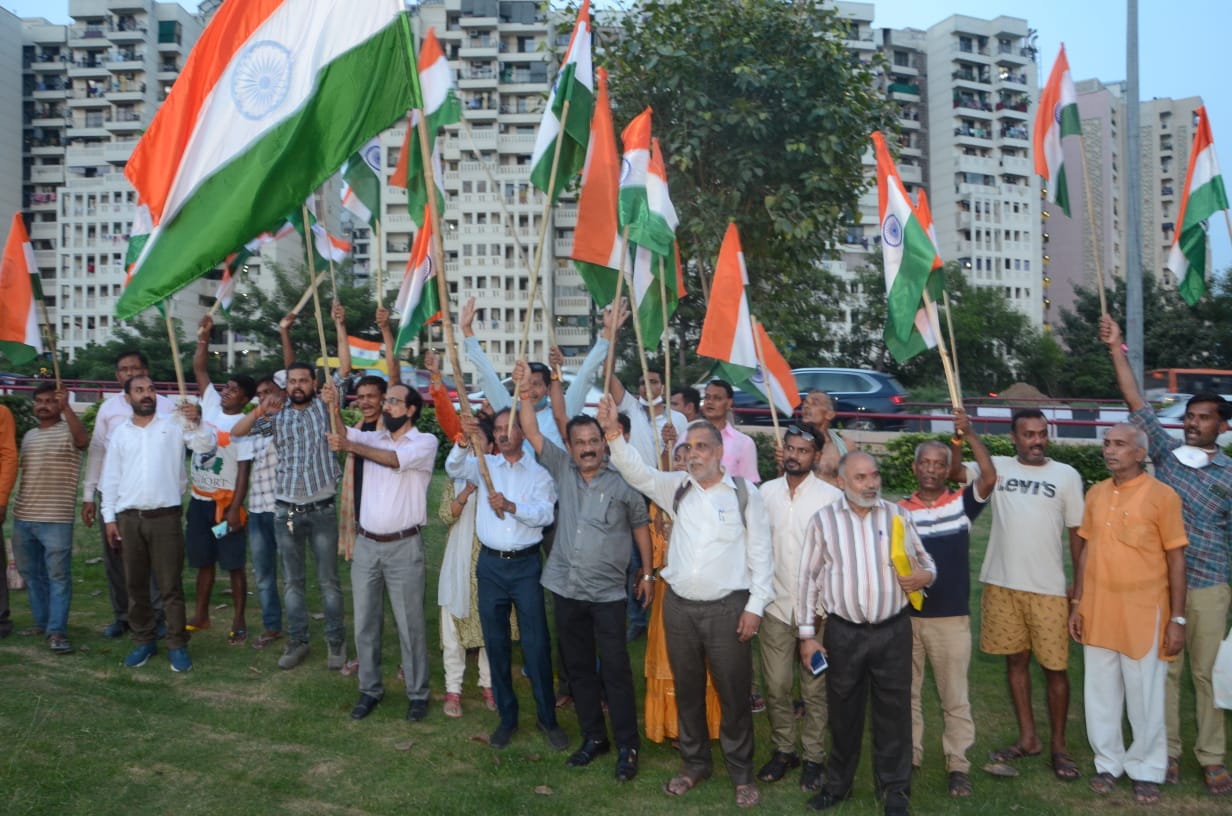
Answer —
(586, 630)
(870, 661)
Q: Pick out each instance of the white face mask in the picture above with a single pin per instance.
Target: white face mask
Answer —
(1189, 456)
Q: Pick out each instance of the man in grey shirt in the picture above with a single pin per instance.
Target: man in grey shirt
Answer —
(597, 512)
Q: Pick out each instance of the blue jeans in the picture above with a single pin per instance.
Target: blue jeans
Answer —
(294, 532)
(44, 554)
(264, 548)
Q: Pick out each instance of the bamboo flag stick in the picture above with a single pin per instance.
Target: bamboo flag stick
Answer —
(667, 350)
(175, 350)
(380, 263)
(218, 301)
(478, 441)
(316, 306)
(637, 328)
(949, 323)
(51, 337)
(308, 293)
(620, 287)
(543, 234)
(931, 309)
(765, 378)
(1099, 265)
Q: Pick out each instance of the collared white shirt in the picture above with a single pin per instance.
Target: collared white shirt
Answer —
(145, 465)
(524, 482)
(111, 413)
(712, 552)
(789, 519)
(739, 454)
(396, 499)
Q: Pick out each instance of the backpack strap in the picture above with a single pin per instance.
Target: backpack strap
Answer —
(742, 496)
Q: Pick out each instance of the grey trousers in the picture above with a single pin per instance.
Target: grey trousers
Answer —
(396, 568)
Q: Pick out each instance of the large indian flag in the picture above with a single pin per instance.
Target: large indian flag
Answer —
(1056, 118)
(418, 300)
(909, 255)
(1204, 197)
(19, 328)
(275, 96)
(575, 85)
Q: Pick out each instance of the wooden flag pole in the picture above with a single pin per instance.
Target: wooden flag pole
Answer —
(1099, 266)
(478, 441)
(51, 338)
(610, 363)
(175, 350)
(308, 293)
(316, 306)
(637, 329)
(218, 301)
(667, 350)
(931, 309)
(543, 235)
(380, 263)
(765, 378)
(1228, 222)
(949, 323)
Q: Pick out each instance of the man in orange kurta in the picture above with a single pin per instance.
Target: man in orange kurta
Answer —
(1129, 579)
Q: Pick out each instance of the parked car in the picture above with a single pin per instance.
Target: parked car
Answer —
(1173, 418)
(853, 390)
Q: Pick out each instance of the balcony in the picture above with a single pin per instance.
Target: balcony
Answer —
(42, 202)
(127, 63)
(87, 37)
(47, 91)
(516, 142)
(566, 215)
(44, 231)
(47, 174)
(979, 134)
(1010, 78)
(904, 92)
(1018, 165)
(78, 156)
(971, 77)
(128, 6)
(1018, 135)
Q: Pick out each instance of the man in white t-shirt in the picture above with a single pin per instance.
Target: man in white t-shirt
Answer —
(1025, 609)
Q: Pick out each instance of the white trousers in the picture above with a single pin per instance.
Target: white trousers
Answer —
(454, 657)
(1116, 685)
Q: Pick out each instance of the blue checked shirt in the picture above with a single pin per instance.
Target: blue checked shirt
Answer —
(1206, 503)
(307, 469)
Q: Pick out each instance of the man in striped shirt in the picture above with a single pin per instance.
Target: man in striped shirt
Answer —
(846, 574)
(941, 628)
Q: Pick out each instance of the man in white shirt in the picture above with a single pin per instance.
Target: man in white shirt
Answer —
(509, 522)
(113, 412)
(397, 462)
(791, 502)
(739, 451)
(720, 575)
(143, 486)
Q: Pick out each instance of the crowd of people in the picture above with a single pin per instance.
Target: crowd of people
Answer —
(650, 518)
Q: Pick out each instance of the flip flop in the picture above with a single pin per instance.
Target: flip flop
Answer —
(680, 784)
(747, 796)
(265, 639)
(1064, 767)
(1146, 793)
(1103, 783)
(1173, 775)
(237, 636)
(1001, 770)
(197, 627)
(1218, 782)
(1012, 752)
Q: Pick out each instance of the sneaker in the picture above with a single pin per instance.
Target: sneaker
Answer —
(59, 644)
(140, 655)
(293, 654)
(489, 699)
(453, 705)
(336, 658)
(115, 629)
(180, 661)
(757, 702)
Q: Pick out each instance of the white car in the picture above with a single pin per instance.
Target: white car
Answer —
(1173, 418)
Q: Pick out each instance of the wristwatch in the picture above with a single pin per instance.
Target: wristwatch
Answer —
(1177, 619)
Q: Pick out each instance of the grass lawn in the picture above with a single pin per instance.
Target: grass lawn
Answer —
(82, 734)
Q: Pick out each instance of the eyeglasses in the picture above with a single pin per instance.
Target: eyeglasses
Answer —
(796, 430)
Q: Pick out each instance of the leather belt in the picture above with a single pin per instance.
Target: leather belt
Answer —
(385, 537)
(304, 508)
(509, 555)
(157, 512)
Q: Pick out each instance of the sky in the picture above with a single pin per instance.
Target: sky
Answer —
(1178, 43)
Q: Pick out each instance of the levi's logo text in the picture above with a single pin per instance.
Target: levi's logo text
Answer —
(1028, 487)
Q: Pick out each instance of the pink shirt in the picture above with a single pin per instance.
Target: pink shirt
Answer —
(739, 454)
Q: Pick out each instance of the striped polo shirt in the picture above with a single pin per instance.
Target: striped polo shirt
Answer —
(50, 466)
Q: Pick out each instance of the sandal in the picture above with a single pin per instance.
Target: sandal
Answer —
(1012, 752)
(1218, 782)
(680, 784)
(1146, 793)
(1064, 767)
(1173, 775)
(267, 637)
(960, 785)
(237, 636)
(1103, 783)
(194, 626)
(747, 796)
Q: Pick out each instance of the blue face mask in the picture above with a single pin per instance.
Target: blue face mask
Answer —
(541, 404)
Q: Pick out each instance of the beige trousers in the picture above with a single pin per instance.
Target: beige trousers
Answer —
(946, 644)
(1206, 613)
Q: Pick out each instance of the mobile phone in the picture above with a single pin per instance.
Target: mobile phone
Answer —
(817, 663)
(220, 529)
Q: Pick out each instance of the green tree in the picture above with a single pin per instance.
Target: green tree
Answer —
(763, 115)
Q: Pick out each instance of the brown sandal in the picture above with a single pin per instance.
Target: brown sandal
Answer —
(680, 784)
(1173, 774)
(1218, 782)
(1146, 793)
(747, 796)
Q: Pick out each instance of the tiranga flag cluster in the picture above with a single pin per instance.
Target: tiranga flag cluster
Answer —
(362, 181)
(265, 110)
(19, 327)
(418, 300)
(325, 248)
(733, 338)
(1056, 118)
(364, 353)
(910, 259)
(1205, 196)
(650, 265)
(440, 107)
(574, 85)
(596, 237)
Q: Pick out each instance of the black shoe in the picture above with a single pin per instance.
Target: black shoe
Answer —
(812, 776)
(826, 800)
(364, 707)
(501, 737)
(556, 737)
(416, 710)
(778, 765)
(626, 764)
(590, 749)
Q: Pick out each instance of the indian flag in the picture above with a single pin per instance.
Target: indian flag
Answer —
(418, 300)
(731, 336)
(364, 353)
(275, 96)
(361, 183)
(634, 170)
(138, 233)
(923, 317)
(19, 327)
(441, 107)
(330, 247)
(1204, 197)
(1056, 118)
(596, 238)
(226, 291)
(650, 264)
(910, 258)
(575, 85)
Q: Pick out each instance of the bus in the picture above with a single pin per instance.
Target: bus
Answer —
(1161, 381)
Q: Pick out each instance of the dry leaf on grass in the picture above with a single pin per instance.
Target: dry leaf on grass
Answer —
(403, 746)
(544, 790)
